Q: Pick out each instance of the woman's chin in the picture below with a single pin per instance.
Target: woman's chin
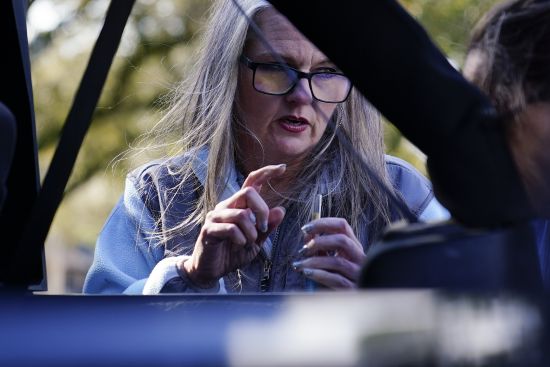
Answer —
(292, 148)
(287, 156)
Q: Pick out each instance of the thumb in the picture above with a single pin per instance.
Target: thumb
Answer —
(275, 218)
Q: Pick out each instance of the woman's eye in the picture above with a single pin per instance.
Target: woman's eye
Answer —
(326, 76)
(327, 70)
(273, 68)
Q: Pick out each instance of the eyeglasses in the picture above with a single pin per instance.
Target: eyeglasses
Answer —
(279, 79)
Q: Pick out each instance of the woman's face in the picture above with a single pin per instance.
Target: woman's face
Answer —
(287, 126)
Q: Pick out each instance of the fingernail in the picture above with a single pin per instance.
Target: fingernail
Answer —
(263, 226)
(307, 228)
(307, 272)
(306, 247)
(282, 165)
(332, 253)
(252, 218)
(296, 265)
(303, 250)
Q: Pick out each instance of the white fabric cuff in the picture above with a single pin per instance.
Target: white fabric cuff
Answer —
(164, 271)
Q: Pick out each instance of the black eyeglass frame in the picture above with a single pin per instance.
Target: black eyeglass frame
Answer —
(252, 65)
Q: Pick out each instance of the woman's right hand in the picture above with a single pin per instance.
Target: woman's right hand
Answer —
(234, 231)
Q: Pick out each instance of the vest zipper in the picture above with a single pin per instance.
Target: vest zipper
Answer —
(264, 282)
(266, 273)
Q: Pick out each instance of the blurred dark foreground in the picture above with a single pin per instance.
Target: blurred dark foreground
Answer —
(375, 328)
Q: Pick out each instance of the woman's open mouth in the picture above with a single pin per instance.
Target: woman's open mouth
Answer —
(293, 124)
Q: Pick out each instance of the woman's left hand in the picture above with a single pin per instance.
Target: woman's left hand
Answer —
(334, 256)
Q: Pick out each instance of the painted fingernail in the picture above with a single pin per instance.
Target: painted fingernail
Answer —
(307, 272)
(307, 228)
(252, 218)
(332, 253)
(296, 265)
(263, 226)
(306, 247)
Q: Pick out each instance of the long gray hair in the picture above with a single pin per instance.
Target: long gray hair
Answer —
(202, 114)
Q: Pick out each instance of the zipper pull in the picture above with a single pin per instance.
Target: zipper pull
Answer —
(264, 282)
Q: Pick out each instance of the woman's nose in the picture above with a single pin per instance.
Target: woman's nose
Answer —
(301, 93)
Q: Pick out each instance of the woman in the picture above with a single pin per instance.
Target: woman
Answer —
(509, 59)
(228, 212)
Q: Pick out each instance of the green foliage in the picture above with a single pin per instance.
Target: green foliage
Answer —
(449, 21)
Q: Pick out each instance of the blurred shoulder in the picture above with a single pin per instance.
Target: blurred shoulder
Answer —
(415, 189)
(403, 173)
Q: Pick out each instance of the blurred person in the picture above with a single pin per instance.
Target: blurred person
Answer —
(231, 210)
(509, 59)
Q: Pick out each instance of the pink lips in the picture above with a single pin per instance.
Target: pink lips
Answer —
(294, 124)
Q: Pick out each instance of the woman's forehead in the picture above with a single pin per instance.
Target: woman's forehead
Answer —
(283, 37)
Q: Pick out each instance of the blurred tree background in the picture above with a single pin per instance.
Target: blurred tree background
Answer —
(156, 51)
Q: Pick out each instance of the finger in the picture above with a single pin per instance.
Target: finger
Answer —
(244, 218)
(334, 264)
(329, 225)
(214, 233)
(276, 216)
(257, 178)
(251, 199)
(340, 243)
(328, 279)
